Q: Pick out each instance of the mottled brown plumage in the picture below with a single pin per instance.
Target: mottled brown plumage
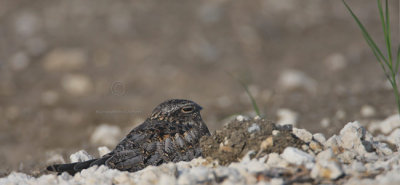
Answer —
(170, 134)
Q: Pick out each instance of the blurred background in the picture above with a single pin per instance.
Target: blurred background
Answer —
(81, 74)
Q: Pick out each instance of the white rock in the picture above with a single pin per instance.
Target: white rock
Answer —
(286, 117)
(275, 132)
(350, 137)
(241, 118)
(302, 134)
(276, 181)
(76, 84)
(358, 167)
(320, 138)
(394, 137)
(122, 178)
(326, 166)
(65, 60)
(296, 156)
(333, 143)
(327, 169)
(103, 150)
(16, 178)
(275, 160)
(325, 122)
(108, 135)
(195, 175)
(382, 148)
(293, 79)
(370, 157)
(347, 156)
(167, 180)
(386, 126)
(80, 156)
(253, 128)
(335, 62)
(367, 111)
(325, 155)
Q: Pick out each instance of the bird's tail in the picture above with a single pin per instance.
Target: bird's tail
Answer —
(73, 168)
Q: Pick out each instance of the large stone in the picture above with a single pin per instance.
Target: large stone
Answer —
(351, 137)
(303, 134)
(296, 156)
(327, 166)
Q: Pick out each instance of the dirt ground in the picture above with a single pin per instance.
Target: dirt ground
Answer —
(239, 137)
(68, 66)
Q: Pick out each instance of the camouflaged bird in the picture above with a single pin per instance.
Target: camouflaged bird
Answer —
(170, 134)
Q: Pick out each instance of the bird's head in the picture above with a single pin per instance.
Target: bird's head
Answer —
(177, 110)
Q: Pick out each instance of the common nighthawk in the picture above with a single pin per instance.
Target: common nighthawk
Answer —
(171, 134)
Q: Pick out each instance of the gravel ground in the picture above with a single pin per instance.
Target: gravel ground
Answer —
(353, 156)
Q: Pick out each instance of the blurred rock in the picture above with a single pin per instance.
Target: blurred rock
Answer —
(287, 117)
(367, 111)
(65, 60)
(27, 24)
(76, 84)
(386, 126)
(253, 128)
(326, 166)
(293, 79)
(107, 135)
(394, 137)
(80, 156)
(267, 143)
(335, 62)
(333, 143)
(55, 158)
(296, 156)
(275, 160)
(325, 122)
(340, 114)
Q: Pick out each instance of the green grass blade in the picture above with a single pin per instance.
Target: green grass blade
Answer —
(386, 28)
(367, 37)
(253, 101)
(397, 60)
(382, 65)
(381, 16)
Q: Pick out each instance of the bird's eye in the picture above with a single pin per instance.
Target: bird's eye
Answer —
(187, 109)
